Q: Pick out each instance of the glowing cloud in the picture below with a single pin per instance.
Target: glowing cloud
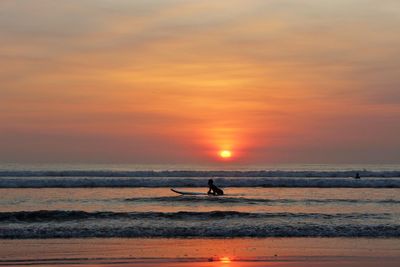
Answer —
(180, 81)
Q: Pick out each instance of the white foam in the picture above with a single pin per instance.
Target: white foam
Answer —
(77, 182)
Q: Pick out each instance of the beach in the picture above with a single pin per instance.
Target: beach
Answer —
(201, 252)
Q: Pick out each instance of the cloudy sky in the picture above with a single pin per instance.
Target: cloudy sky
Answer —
(122, 81)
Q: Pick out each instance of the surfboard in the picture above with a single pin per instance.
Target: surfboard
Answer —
(188, 193)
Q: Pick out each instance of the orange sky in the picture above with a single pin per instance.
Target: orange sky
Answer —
(177, 81)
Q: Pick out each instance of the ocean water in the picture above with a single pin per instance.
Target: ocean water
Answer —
(80, 201)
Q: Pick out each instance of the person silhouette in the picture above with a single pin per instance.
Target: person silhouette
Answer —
(213, 189)
(357, 176)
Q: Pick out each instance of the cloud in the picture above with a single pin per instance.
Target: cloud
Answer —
(264, 72)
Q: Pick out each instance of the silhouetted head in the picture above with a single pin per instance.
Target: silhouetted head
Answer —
(210, 182)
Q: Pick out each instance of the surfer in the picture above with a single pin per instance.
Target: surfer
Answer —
(213, 189)
(357, 176)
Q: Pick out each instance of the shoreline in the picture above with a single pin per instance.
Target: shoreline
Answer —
(201, 252)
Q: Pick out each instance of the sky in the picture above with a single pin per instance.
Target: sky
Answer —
(121, 81)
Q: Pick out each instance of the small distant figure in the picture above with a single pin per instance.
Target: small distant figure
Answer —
(357, 176)
(213, 189)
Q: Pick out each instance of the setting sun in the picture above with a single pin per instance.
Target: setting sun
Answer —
(225, 154)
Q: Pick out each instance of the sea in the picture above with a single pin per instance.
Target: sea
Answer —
(42, 201)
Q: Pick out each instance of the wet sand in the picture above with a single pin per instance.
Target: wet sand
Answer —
(201, 252)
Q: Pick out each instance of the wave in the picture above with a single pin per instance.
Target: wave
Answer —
(194, 173)
(227, 224)
(375, 231)
(255, 201)
(61, 215)
(84, 182)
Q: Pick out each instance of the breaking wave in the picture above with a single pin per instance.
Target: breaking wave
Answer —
(87, 182)
(60, 215)
(80, 224)
(187, 174)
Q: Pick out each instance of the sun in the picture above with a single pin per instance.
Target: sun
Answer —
(225, 154)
